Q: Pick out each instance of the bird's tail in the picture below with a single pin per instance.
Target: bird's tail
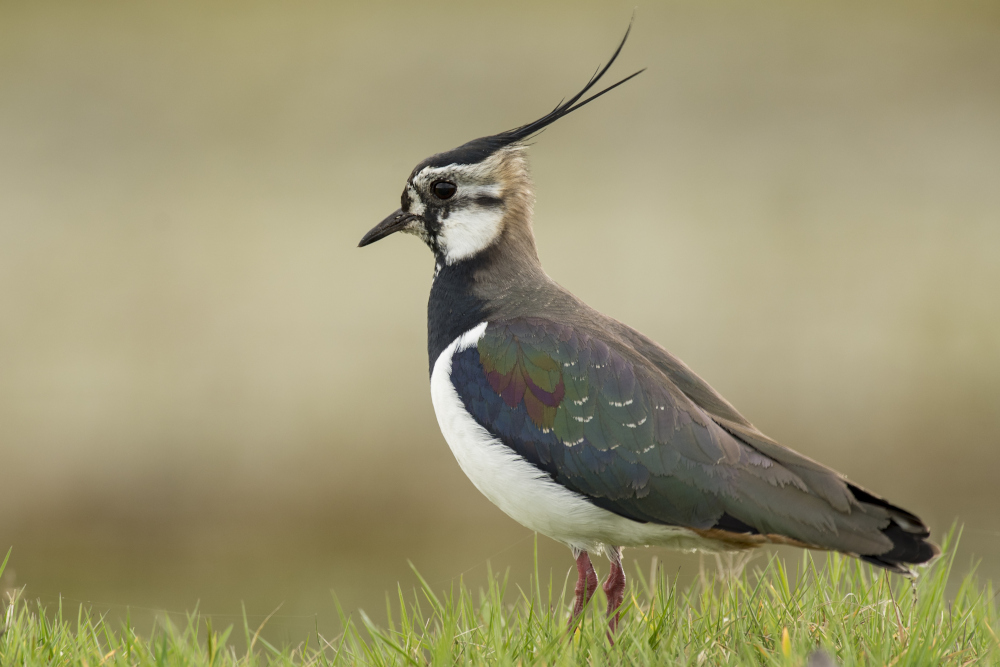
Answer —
(909, 536)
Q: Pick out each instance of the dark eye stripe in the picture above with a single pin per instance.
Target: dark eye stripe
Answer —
(488, 201)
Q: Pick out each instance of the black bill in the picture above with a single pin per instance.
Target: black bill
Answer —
(392, 224)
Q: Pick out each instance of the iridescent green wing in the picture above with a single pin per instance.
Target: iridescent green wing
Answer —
(606, 423)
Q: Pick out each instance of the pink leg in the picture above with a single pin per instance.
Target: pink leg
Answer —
(586, 583)
(614, 588)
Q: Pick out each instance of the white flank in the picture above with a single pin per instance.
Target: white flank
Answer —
(525, 493)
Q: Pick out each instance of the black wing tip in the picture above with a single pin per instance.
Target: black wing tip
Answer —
(908, 548)
(909, 535)
(908, 521)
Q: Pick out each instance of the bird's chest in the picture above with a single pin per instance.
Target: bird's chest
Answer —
(524, 492)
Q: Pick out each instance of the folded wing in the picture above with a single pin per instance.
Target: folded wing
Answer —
(620, 424)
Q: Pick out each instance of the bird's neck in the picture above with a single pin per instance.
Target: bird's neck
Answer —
(486, 286)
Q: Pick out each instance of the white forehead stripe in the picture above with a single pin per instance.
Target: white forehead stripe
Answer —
(482, 172)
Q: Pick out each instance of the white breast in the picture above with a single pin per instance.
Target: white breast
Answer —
(525, 493)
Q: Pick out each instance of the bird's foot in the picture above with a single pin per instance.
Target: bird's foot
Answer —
(586, 584)
(614, 589)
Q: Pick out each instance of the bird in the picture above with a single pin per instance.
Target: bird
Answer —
(583, 429)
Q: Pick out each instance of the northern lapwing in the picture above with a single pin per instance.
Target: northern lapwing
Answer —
(581, 428)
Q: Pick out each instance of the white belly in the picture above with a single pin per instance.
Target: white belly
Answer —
(525, 493)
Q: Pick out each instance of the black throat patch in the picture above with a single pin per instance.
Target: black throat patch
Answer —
(453, 307)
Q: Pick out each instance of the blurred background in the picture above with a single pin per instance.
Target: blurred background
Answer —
(208, 393)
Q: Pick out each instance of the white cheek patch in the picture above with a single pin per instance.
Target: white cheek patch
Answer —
(469, 227)
(417, 228)
(467, 231)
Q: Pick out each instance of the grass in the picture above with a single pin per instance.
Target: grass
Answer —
(773, 615)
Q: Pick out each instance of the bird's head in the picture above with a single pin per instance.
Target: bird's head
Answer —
(459, 202)
(465, 200)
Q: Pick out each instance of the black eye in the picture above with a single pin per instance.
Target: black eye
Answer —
(444, 189)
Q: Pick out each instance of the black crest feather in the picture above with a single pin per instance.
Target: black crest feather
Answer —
(478, 150)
